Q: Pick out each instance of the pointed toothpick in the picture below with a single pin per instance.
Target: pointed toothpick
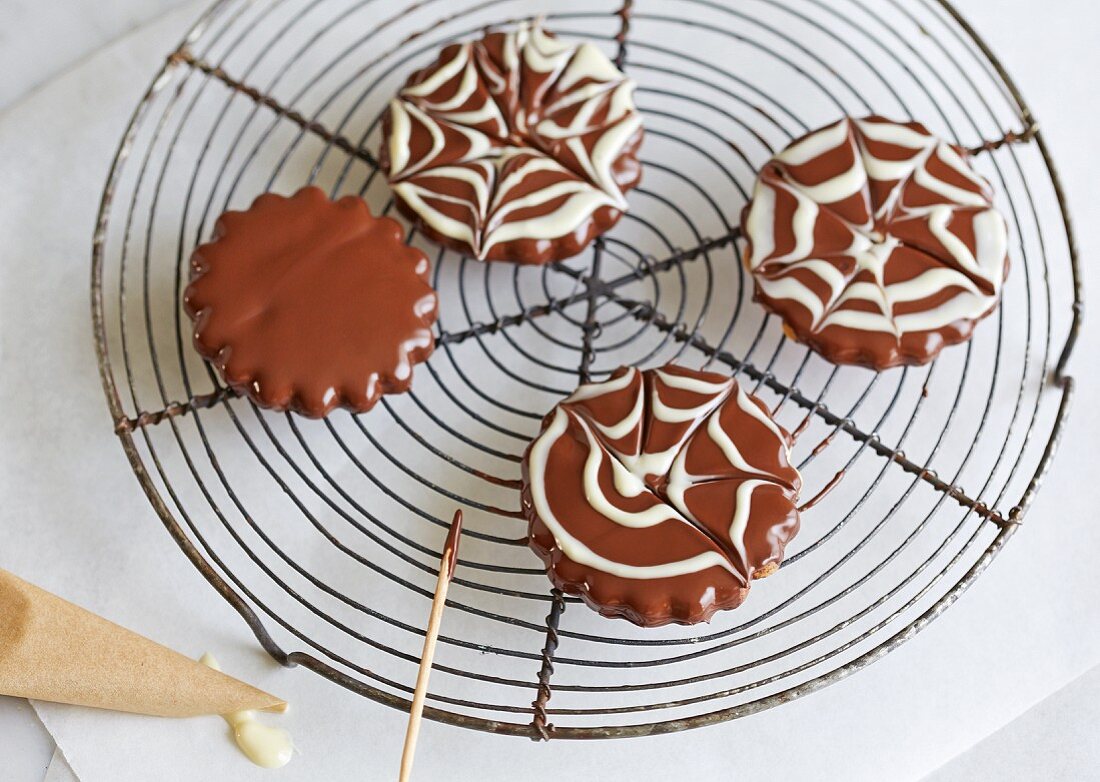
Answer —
(416, 711)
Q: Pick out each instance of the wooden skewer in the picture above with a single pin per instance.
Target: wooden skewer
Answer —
(416, 711)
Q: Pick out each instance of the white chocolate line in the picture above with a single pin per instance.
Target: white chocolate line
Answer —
(973, 274)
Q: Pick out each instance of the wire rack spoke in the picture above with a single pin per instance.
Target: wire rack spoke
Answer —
(649, 268)
(543, 730)
(682, 333)
(622, 38)
(1008, 139)
(126, 425)
(590, 328)
(184, 56)
(550, 306)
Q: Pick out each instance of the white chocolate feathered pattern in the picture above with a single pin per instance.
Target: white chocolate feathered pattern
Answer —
(876, 242)
(516, 147)
(659, 495)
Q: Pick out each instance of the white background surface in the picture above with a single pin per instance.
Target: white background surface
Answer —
(41, 38)
(1028, 627)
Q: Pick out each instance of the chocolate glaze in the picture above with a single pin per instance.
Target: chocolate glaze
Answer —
(825, 491)
(517, 147)
(876, 242)
(508, 483)
(450, 546)
(659, 496)
(825, 442)
(799, 430)
(308, 304)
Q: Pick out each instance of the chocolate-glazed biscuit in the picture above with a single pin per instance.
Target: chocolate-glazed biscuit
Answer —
(308, 304)
(876, 242)
(517, 147)
(658, 496)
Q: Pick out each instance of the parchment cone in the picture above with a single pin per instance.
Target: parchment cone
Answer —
(52, 650)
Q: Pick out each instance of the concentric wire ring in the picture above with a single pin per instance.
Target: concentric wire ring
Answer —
(325, 536)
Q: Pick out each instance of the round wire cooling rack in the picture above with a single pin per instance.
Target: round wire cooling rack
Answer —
(325, 535)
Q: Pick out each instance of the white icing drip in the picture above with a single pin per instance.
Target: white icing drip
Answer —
(860, 321)
(831, 191)
(595, 390)
(795, 290)
(443, 75)
(622, 428)
(488, 111)
(544, 54)
(266, 746)
(760, 224)
(753, 410)
(693, 384)
(965, 305)
(584, 200)
(815, 144)
(416, 197)
(622, 101)
(895, 133)
(802, 222)
(652, 462)
(605, 152)
(742, 510)
(434, 131)
(949, 191)
(991, 237)
(991, 242)
(678, 415)
(660, 462)
(933, 279)
(790, 287)
(576, 550)
(619, 101)
(626, 483)
(649, 517)
(400, 132)
(403, 113)
(588, 63)
(628, 424)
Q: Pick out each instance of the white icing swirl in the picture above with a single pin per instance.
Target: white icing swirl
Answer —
(629, 472)
(926, 194)
(577, 551)
(472, 109)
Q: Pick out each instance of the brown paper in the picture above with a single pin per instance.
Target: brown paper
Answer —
(52, 650)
